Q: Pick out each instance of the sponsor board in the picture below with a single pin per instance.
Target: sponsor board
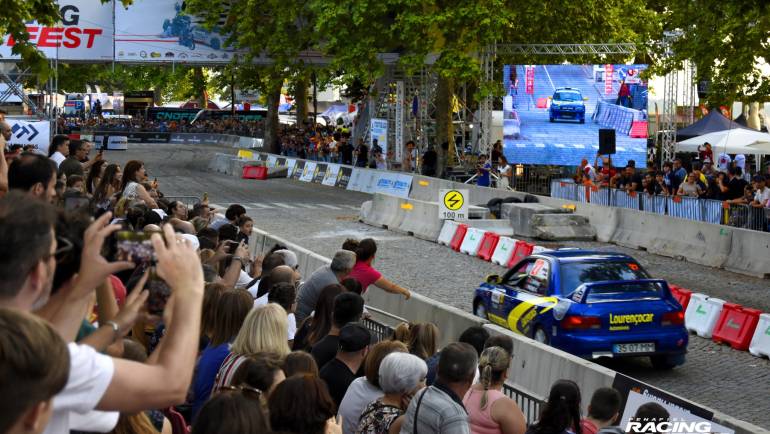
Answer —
(84, 32)
(343, 178)
(30, 133)
(160, 31)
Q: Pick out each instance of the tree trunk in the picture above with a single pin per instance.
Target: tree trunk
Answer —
(444, 128)
(199, 81)
(271, 122)
(300, 99)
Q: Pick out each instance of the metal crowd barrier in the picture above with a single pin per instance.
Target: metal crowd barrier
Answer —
(685, 207)
(528, 403)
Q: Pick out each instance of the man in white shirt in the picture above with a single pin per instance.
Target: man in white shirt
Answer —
(762, 193)
(96, 381)
(59, 149)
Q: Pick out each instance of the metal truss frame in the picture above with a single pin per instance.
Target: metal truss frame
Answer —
(566, 49)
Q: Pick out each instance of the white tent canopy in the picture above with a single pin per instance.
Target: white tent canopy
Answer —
(733, 141)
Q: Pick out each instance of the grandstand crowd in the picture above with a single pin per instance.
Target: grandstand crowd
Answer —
(123, 310)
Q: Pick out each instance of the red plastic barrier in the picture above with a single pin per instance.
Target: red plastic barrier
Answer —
(736, 326)
(457, 239)
(254, 172)
(522, 250)
(542, 103)
(487, 246)
(73, 136)
(638, 130)
(680, 294)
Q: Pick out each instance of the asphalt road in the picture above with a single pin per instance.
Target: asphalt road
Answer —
(320, 218)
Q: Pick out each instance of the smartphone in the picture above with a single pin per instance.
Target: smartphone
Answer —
(135, 247)
(72, 203)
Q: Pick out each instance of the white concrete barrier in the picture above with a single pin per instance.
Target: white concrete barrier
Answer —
(504, 251)
(420, 219)
(472, 241)
(749, 252)
(702, 314)
(447, 232)
(534, 367)
(760, 342)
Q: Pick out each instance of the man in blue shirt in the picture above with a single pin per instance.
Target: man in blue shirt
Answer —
(680, 174)
(483, 167)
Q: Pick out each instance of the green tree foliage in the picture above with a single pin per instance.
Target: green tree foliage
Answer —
(726, 40)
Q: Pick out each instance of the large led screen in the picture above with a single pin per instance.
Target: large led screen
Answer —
(552, 114)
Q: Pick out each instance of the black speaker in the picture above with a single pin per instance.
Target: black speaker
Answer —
(606, 141)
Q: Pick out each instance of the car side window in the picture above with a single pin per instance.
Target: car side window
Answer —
(538, 274)
(516, 276)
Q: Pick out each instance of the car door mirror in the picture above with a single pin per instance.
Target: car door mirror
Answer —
(494, 279)
(585, 98)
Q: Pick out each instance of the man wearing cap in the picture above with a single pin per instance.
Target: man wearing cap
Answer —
(340, 371)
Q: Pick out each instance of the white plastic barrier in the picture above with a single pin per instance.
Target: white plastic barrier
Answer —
(702, 314)
(760, 343)
(503, 251)
(472, 241)
(447, 232)
(539, 249)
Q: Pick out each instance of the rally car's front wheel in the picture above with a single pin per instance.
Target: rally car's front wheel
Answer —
(479, 310)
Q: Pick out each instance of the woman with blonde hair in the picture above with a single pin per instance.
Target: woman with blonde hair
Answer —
(263, 331)
(489, 410)
(423, 340)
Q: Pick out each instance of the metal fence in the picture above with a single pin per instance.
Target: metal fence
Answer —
(684, 207)
(528, 403)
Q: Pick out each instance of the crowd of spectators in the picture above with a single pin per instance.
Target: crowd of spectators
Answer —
(137, 123)
(729, 181)
(124, 311)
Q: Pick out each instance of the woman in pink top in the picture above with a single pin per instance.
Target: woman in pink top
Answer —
(366, 275)
(489, 410)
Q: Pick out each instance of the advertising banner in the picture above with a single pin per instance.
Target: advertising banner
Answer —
(343, 178)
(299, 169)
(30, 133)
(379, 132)
(330, 177)
(179, 114)
(684, 417)
(354, 182)
(290, 165)
(271, 160)
(394, 184)
(320, 172)
(308, 173)
(399, 120)
(84, 33)
(369, 181)
(609, 76)
(117, 143)
(530, 80)
(160, 31)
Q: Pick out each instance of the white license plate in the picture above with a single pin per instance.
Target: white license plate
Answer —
(644, 347)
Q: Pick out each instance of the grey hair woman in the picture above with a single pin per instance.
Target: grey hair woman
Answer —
(401, 376)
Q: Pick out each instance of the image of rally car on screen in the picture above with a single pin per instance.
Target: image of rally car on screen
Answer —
(189, 34)
(588, 303)
(567, 103)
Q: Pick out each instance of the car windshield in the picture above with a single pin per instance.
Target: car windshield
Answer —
(567, 96)
(574, 274)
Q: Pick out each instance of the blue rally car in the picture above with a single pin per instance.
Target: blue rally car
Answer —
(588, 303)
(567, 103)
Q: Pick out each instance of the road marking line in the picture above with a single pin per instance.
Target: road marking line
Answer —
(355, 207)
(323, 205)
(261, 206)
(216, 205)
(282, 205)
(306, 205)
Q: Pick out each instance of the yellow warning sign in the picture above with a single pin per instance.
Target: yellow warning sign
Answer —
(453, 204)
(453, 200)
